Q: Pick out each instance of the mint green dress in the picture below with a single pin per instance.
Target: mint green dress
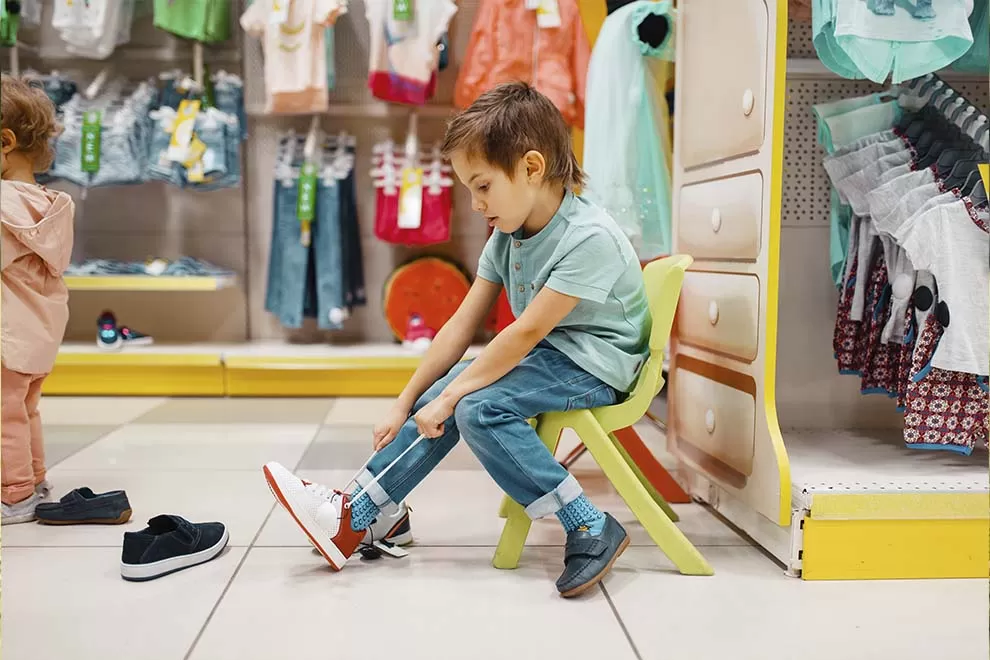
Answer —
(626, 141)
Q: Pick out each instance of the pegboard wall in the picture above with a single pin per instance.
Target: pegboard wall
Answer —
(806, 191)
(799, 43)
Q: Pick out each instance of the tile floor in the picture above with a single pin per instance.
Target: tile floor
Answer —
(269, 596)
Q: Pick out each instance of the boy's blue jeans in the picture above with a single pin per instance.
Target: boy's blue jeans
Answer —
(494, 423)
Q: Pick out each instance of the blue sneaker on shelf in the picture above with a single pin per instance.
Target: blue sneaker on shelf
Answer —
(113, 337)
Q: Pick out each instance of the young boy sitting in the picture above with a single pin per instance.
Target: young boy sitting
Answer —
(581, 335)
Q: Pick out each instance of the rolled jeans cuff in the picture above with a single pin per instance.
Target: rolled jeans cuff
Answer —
(566, 492)
(375, 492)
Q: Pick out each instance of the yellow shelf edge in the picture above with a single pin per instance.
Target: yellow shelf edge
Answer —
(148, 282)
(322, 363)
(135, 359)
(901, 506)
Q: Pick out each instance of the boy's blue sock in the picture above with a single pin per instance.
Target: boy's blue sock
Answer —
(581, 513)
(363, 513)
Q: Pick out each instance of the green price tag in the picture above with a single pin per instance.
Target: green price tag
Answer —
(402, 10)
(306, 202)
(92, 128)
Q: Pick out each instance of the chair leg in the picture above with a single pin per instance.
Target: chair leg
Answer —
(503, 509)
(517, 524)
(654, 493)
(661, 529)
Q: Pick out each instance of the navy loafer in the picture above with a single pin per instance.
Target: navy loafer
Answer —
(588, 558)
(170, 544)
(84, 507)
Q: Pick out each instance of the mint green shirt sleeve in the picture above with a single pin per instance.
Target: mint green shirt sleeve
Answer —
(590, 267)
(486, 263)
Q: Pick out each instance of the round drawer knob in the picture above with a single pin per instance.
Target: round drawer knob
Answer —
(716, 220)
(710, 420)
(748, 101)
(713, 312)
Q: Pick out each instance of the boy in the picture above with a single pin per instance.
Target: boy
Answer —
(580, 338)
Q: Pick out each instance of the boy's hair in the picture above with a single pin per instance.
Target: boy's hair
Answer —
(507, 121)
(28, 112)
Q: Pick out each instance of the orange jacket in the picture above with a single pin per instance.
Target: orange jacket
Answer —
(36, 245)
(507, 45)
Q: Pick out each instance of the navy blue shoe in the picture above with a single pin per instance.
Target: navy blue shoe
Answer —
(170, 544)
(588, 557)
(84, 507)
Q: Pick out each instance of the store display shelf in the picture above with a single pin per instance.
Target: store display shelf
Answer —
(812, 68)
(251, 369)
(864, 506)
(186, 283)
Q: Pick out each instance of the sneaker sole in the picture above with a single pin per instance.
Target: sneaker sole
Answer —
(119, 520)
(577, 591)
(330, 552)
(18, 519)
(145, 572)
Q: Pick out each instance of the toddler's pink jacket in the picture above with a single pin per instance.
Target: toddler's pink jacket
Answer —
(35, 248)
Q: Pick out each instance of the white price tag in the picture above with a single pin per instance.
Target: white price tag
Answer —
(548, 14)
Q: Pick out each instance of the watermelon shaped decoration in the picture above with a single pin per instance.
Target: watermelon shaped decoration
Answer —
(430, 287)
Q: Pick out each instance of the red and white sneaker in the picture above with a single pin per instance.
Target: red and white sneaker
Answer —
(321, 512)
(418, 335)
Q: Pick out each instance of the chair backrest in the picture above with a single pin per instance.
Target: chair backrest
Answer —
(663, 279)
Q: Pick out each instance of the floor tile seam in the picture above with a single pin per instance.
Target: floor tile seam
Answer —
(112, 429)
(618, 619)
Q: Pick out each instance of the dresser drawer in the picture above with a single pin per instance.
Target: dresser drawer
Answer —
(721, 74)
(714, 418)
(720, 312)
(721, 219)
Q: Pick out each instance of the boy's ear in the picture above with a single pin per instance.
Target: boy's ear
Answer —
(8, 141)
(536, 166)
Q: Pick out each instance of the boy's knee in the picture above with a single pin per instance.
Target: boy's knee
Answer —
(468, 411)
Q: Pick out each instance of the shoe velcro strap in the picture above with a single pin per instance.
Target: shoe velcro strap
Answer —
(585, 547)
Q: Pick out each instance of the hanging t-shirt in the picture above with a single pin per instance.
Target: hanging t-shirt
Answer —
(93, 29)
(203, 20)
(404, 53)
(951, 241)
(295, 62)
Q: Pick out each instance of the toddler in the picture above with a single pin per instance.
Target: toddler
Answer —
(581, 336)
(35, 247)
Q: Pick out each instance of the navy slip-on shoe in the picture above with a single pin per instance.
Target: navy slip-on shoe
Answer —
(588, 558)
(84, 507)
(170, 544)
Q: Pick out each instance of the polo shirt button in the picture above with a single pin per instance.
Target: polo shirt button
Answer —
(522, 289)
(518, 266)
(518, 244)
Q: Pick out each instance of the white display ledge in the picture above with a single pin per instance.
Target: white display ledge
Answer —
(260, 349)
(812, 68)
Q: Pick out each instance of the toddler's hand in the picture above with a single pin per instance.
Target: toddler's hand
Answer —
(388, 428)
(430, 419)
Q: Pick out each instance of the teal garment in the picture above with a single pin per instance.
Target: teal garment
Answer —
(583, 253)
(625, 139)
(823, 111)
(823, 38)
(977, 58)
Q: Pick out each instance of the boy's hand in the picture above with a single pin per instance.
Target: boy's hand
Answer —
(388, 428)
(430, 419)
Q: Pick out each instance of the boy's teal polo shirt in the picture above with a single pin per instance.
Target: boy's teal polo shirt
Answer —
(583, 253)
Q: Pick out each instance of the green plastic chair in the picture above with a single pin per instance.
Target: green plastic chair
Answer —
(663, 279)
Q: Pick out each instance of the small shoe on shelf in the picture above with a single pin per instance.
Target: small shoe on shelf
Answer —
(20, 512)
(418, 335)
(84, 507)
(170, 544)
(113, 337)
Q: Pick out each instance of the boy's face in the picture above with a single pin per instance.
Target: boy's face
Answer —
(505, 202)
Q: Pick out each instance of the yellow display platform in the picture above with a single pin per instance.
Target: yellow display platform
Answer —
(163, 372)
(256, 369)
(148, 283)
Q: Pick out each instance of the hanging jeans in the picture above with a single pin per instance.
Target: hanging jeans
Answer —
(306, 280)
(494, 423)
(354, 292)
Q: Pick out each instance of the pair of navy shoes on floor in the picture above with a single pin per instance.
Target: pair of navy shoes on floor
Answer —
(168, 544)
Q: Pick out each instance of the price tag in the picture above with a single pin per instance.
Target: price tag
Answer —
(91, 139)
(411, 199)
(402, 10)
(182, 131)
(306, 202)
(279, 14)
(548, 14)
